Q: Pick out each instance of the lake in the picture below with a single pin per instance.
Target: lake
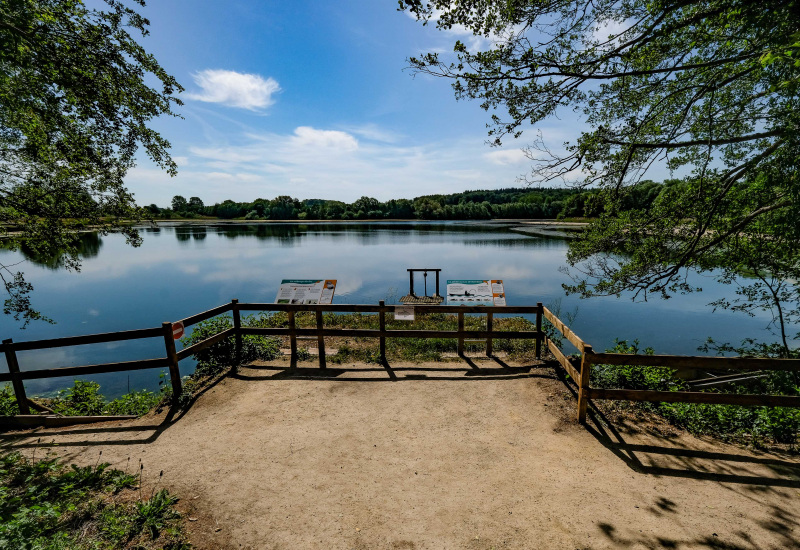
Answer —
(183, 269)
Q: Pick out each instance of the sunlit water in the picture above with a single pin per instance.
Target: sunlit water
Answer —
(181, 270)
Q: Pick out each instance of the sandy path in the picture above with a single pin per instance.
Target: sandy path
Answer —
(453, 458)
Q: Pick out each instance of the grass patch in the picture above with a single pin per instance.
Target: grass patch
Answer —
(406, 349)
(47, 505)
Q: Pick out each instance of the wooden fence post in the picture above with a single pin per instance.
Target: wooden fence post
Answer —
(489, 319)
(539, 330)
(320, 341)
(460, 333)
(237, 325)
(583, 384)
(172, 357)
(382, 327)
(292, 340)
(16, 382)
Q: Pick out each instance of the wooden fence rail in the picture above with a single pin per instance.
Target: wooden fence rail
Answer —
(173, 357)
(582, 374)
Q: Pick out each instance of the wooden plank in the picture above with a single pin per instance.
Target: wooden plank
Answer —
(400, 333)
(583, 384)
(237, 324)
(684, 362)
(539, 308)
(87, 339)
(321, 341)
(16, 381)
(564, 329)
(172, 360)
(366, 308)
(460, 333)
(292, 340)
(489, 343)
(213, 312)
(563, 360)
(95, 369)
(695, 397)
(382, 329)
(194, 348)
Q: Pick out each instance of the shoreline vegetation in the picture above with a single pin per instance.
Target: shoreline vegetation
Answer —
(513, 203)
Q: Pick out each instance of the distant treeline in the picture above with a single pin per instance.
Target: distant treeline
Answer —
(512, 203)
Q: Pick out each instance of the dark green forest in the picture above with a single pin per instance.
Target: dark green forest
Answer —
(510, 203)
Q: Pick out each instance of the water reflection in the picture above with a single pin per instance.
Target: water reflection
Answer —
(87, 246)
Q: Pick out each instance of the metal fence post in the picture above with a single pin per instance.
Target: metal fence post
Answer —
(16, 382)
(172, 357)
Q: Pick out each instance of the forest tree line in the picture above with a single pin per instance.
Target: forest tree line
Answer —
(510, 203)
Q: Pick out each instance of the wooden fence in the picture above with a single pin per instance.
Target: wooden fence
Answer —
(172, 358)
(582, 374)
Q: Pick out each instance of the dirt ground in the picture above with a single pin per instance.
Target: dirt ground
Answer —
(474, 455)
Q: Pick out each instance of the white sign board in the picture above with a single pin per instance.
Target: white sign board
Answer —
(306, 291)
(475, 292)
(403, 313)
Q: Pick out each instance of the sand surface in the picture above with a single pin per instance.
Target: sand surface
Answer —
(445, 455)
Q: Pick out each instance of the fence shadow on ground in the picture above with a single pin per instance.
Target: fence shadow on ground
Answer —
(666, 458)
(467, 369)
(146, 433)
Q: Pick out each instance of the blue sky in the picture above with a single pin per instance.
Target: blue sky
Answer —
(311, 99)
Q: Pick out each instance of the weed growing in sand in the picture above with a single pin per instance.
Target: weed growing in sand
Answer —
(47, 505)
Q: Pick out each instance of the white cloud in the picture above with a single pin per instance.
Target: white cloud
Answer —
(306, 137)
(373, 132)
(247, 91)
(459, 32)
(608, 28)
(507, 157)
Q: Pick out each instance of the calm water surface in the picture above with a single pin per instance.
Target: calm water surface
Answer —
(181, 270)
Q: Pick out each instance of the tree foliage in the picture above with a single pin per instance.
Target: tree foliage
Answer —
(74, 110)
(707, 88)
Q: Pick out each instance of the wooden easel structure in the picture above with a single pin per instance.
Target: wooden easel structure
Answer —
(412, 298)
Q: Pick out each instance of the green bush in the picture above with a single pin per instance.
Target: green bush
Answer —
(47, 505)
(137, 402)
(778, 424)
(8, 402)
(82, 399)
(634, 377)
(222, 355)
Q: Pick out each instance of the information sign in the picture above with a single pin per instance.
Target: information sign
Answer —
(476, 292)
(403, 313)
(306, 291)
